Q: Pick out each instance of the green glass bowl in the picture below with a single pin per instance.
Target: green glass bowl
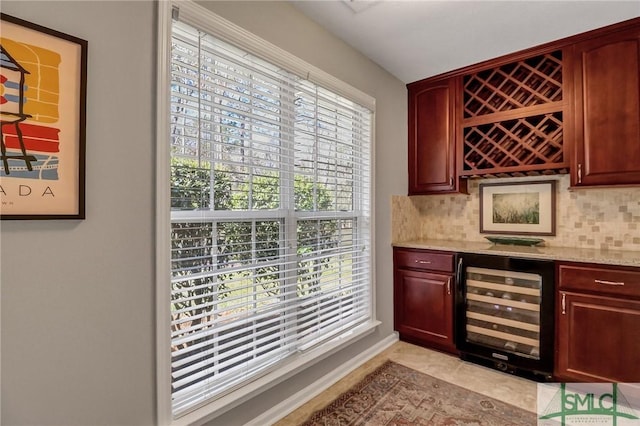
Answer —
(515, 241)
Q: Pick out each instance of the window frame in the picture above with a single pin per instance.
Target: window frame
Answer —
(201, 17)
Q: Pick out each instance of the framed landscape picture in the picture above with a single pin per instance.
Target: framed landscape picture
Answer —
(518, 208)
(42, 112)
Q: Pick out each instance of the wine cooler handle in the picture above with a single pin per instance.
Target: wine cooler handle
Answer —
(449, 286)
(564, 304)
(459, 272)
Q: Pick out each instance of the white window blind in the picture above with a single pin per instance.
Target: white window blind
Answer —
(270, 216)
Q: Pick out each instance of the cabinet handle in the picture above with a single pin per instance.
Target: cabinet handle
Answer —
(609, 282)
(580, 173)
(564, 304)
(450, 181)
(449, 286)
(423, 262)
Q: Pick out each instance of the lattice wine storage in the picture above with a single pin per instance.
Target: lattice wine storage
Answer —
(512, 118)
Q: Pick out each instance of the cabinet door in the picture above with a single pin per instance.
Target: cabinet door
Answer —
(432, 156)
(598, 338)
(423, 307)
(607, 91)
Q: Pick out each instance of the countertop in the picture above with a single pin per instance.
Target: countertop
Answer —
(571, 254)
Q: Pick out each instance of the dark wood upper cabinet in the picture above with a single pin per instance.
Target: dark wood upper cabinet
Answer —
(432, 148)
(571, 105)
(607, 110)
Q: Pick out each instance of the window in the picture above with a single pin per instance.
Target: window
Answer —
(270, 203)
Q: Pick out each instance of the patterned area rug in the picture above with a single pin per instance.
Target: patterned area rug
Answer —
(397, 395)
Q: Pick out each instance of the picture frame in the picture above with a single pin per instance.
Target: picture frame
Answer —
(42, 122)
(518, 208)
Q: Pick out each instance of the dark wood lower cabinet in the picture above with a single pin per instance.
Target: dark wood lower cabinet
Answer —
(597, 329)
(597, 323)
(423, 298)
(598, 339)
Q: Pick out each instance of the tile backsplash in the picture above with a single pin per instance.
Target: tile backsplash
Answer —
(603, 218)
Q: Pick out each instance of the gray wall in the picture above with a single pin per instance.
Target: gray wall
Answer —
(77, 314)
(78, 296)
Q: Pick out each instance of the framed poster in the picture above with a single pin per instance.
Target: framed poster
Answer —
(42, 122)
(524, 208)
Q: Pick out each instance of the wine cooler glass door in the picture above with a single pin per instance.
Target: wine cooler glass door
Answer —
(503, 310)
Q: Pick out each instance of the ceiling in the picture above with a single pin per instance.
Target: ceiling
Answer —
(418, 39)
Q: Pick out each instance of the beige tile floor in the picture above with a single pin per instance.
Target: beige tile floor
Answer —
(502, 386)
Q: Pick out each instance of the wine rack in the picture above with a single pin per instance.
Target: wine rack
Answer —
(503, 310)
(512, 119)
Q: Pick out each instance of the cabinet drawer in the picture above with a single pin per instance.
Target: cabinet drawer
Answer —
(421, 259)
(600, 279)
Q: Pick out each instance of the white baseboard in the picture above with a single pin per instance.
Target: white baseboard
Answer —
(299, 398)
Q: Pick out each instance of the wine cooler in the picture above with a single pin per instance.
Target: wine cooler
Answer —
(504, 313)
